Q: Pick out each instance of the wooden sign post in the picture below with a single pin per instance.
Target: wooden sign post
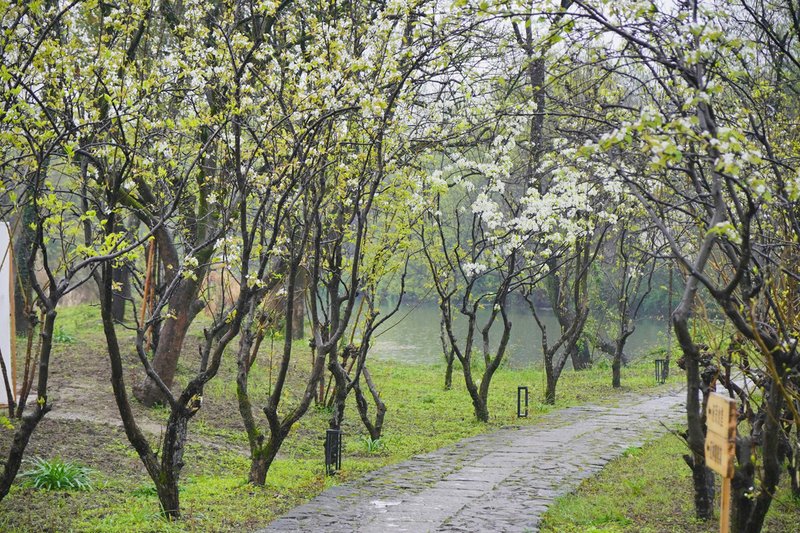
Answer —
(721, 448)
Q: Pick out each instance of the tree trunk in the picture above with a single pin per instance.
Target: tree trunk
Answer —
(135, 436)
(449, 355)
(375, 430)
(23, 293)
(703, 481)
(579, 353)
(750, 510)
(702, 477)
(121, 277)
(172, 464)
(254, 437)
(299, 311)
(448, 373)
(581, 356)
(29, 422)
(168, 350)
(340, 391)
(258, 470)
(619, 358)
(481, 408)
(17, 451)
(168, 497)
(263, 458)
(29, 372)
(183, 306)
(550, 390)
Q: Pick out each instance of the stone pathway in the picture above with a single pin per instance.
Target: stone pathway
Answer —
(501, 481)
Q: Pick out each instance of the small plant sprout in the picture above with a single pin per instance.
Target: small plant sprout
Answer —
(372, 446)
(62, 337)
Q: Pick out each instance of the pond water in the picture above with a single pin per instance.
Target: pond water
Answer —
(412, 336)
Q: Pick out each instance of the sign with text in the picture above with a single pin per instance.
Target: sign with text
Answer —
(7, 333)
(721, 448)
(720, 451)
(721, 415)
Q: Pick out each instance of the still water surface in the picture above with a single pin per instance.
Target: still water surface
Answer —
(412, 336)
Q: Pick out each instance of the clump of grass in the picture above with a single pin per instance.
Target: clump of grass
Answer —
(145, 491)
(372, 445)
(62, 337)
(632, 451)
(55, 474)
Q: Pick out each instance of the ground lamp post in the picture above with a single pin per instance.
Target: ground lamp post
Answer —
(333, 451)
(522, 412)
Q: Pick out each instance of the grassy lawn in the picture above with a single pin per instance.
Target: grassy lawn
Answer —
(84, 427)
(649, 490)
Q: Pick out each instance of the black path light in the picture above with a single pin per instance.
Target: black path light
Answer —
(520, 412)
(333, 451)
(661, 370)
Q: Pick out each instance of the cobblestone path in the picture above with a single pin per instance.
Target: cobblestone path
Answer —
(501, 481)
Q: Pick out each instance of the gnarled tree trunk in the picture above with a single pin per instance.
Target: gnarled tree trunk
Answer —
(449, 356)
(183, 306)
(375, 429)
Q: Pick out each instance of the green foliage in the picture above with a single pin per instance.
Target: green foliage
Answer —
(145, 491)
(55, 474)
(61, 336)
(602, 364)
(372, 445)
(632, 451)
(324, 409)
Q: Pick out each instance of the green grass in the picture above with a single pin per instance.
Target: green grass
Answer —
(421, 417)
(648, 490)
(209, 503)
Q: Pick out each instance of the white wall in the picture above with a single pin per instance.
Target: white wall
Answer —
(6, 301)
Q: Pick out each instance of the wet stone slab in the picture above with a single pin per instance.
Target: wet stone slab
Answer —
(501, 481)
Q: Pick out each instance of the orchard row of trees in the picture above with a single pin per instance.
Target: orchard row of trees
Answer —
(516, 149)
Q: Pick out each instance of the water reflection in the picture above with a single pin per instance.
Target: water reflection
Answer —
(412, 336)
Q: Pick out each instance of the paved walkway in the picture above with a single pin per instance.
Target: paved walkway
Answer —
(501, 481)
